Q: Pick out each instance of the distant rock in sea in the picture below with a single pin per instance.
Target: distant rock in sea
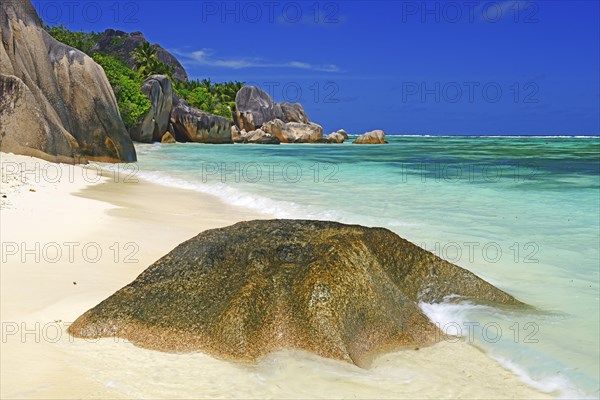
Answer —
(337, 137)
(56, 102)
(373, 137)
(289, 123)
(340, 291)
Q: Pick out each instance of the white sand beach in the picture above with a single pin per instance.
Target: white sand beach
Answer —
(68, 242)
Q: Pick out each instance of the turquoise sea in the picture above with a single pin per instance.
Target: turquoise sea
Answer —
(521, 212)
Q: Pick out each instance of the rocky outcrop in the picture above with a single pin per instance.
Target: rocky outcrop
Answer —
(340, 291)
(293, 113)
(337, 137)
(373, 137)
(193, 125)
(121, 44)
(159, 90)
(254, 107)
(56, 102)
(287, 122)
(168, 138)
(294, 132)
(257, 136)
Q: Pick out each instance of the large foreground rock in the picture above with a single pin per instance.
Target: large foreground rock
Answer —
(339, 291)
(55, 102)
(193, 125)
(373, 137)
(159, 90)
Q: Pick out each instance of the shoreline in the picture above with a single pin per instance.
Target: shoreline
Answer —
(134, 224)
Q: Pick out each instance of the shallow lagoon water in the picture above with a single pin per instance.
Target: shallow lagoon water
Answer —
(521, 212)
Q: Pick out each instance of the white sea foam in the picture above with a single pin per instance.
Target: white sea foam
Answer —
(460, 314)
(550, 384)
(239, 198)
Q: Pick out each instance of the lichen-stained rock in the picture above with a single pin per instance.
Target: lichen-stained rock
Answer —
(372, 137)
(193, 125)
(159, 91)
(168, 138)
(57, 103)
(340, 291)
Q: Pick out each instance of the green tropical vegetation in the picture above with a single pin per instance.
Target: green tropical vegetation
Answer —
(147, 64)
(213, 98)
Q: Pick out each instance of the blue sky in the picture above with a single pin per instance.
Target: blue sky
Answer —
(408, 67)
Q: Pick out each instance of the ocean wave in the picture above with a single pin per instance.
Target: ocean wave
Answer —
(239, 198)
(463, 314)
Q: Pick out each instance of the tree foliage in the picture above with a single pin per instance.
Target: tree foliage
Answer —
(147, 63)
(83, 41)
(126, 84)
(213, 98)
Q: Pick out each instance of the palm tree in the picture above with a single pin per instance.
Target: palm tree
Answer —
(145, 58)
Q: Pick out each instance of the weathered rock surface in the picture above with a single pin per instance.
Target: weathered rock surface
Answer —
(193, 125)
(294, 132)
(373, 137)
(257, 136)
(159, 90)
(120, 44)
(337, 137)
(56, 102)
(340, 291)
(293, 113)
(254, 107)
(168, 138)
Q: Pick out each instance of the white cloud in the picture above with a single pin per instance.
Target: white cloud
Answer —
(206, 57)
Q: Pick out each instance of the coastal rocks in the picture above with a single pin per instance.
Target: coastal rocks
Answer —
(193, 125)
(294, 132)
(293, 113)
(159, 90)
(257, 136)
(373, 137)
(121, 45)
(339, 291)
(168, 138)
(56, 102)
(337, 137)
(255, 107)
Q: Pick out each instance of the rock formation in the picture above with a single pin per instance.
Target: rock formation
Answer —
(255, 109)
(168, 138)
(193, 125)
(55, 101)
(257, 136)
(154, 125)
(293, 113)
(120, 44)
(340, 291)
(337, 137)
(373, 137)
(294, 132)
